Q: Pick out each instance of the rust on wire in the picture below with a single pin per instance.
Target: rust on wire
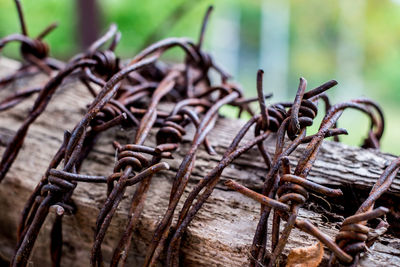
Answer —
(290, 189)
(354, 232)
(130, 96)
(34, 51)
(86, 61)
(58, 190)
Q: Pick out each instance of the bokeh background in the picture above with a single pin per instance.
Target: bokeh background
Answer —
(356, 42)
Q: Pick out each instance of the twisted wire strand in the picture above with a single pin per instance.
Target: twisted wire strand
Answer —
(70, 152)
(39, 106)
(116, 104)
(296, 192)
(172, 258)
(172, 130)
(277, 115)
(99, 117)
(130, 160)
(377, 125)
(45, 95)
(354, 232)
(34, 51)
(120, 252)
(150, 115)
(182, 177)
(300, 115)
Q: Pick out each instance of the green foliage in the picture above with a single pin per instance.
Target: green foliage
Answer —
(38, 15)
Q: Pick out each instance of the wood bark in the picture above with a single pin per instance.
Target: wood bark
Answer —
(221, 233)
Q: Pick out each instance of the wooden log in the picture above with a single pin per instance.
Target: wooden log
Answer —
(221, 233)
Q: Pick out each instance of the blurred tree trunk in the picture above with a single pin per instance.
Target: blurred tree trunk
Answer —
(88, 22)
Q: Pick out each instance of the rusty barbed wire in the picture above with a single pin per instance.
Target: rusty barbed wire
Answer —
(354, 232)
(92, 58)
(170, 134)
(293, 188)
(269, 120)
(39, 106)
(106, 62)
(34, 51)
(182, 177)
(130, 96)
(38, 205)
(295, 192)
(112, 106)
(129, 162)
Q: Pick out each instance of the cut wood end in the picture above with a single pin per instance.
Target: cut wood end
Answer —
(306, 256)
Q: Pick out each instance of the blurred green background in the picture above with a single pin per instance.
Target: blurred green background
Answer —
(355, 42)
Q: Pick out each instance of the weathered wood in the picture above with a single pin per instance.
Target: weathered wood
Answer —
(221, 233)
